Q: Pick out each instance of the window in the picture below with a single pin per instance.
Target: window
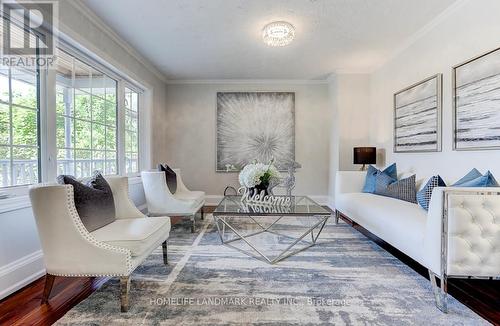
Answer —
(86, 92)
(131, 131)
(19, 122)
(86, 119)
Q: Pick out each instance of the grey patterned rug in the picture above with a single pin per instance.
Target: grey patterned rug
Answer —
(344, 280)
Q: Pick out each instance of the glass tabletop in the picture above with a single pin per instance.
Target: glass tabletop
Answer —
(300, 206)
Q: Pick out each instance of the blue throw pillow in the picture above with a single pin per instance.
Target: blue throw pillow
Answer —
(473, 174)
(391, 171)
(371, 177)
(382, 181)
(424, 195)
(486, 180)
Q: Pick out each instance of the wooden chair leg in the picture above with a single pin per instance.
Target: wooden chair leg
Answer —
(49, 283)
(124, 292)
(164, 246)
(202, 216)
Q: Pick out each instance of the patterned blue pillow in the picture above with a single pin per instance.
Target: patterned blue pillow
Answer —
(424, 195)
(473, 174)
(486, 180)
(371, 177)
(404, 189)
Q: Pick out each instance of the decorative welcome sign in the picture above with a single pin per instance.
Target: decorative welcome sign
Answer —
(263, 199)
(263, 209)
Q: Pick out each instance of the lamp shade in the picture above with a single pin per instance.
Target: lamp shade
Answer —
(365, 155)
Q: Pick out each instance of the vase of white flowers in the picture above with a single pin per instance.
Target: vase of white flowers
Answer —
(258, 177)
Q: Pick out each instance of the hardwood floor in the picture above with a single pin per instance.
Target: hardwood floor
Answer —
(23, 307)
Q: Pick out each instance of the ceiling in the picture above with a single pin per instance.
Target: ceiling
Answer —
(221, 39)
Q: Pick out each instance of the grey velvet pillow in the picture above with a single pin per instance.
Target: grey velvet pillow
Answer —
(93, 200)
(170, 176)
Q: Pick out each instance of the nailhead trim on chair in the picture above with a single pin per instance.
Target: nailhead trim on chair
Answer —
(87, 236)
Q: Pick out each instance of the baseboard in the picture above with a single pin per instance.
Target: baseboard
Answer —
(20, 273)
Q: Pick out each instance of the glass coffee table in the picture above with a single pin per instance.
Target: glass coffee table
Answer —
(285, 230)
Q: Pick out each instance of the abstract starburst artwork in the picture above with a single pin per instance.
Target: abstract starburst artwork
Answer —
(255, 125)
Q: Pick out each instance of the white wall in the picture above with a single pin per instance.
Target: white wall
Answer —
(353, 116)
(350, 113)
(191, 131)
(471, 29)
(334, 157)
(21, 259)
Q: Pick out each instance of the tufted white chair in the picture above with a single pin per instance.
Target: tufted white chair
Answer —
(465, 224)
(113, 250)
(162, 202)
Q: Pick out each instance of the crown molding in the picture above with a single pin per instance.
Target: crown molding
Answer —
(422, 32)
(88, 13)
(247, 81)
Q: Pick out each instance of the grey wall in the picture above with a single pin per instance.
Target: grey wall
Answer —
(191, 130)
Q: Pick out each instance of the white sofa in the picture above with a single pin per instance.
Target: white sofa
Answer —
(469, 245)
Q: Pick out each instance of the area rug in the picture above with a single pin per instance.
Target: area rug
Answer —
(345, 279)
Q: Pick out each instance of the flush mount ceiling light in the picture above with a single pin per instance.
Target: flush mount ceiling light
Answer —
(278, 33)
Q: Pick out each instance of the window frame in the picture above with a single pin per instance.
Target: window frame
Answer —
(39, 125)
(47, 117)
(140, 94)
(75, 119)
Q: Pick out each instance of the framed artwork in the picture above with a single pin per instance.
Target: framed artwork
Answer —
(476, 103)
(254, 125)
(417, 116)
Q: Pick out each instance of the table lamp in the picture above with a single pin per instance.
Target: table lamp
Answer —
(365, 155)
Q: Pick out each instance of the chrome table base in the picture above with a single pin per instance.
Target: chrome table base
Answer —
(224, 222)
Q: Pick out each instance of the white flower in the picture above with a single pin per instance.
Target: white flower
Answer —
(251, 174)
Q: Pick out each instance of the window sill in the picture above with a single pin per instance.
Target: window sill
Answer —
(14, 203)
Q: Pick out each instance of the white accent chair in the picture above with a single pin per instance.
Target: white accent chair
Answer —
(459, 237)
(115, 249)
(161, 201)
